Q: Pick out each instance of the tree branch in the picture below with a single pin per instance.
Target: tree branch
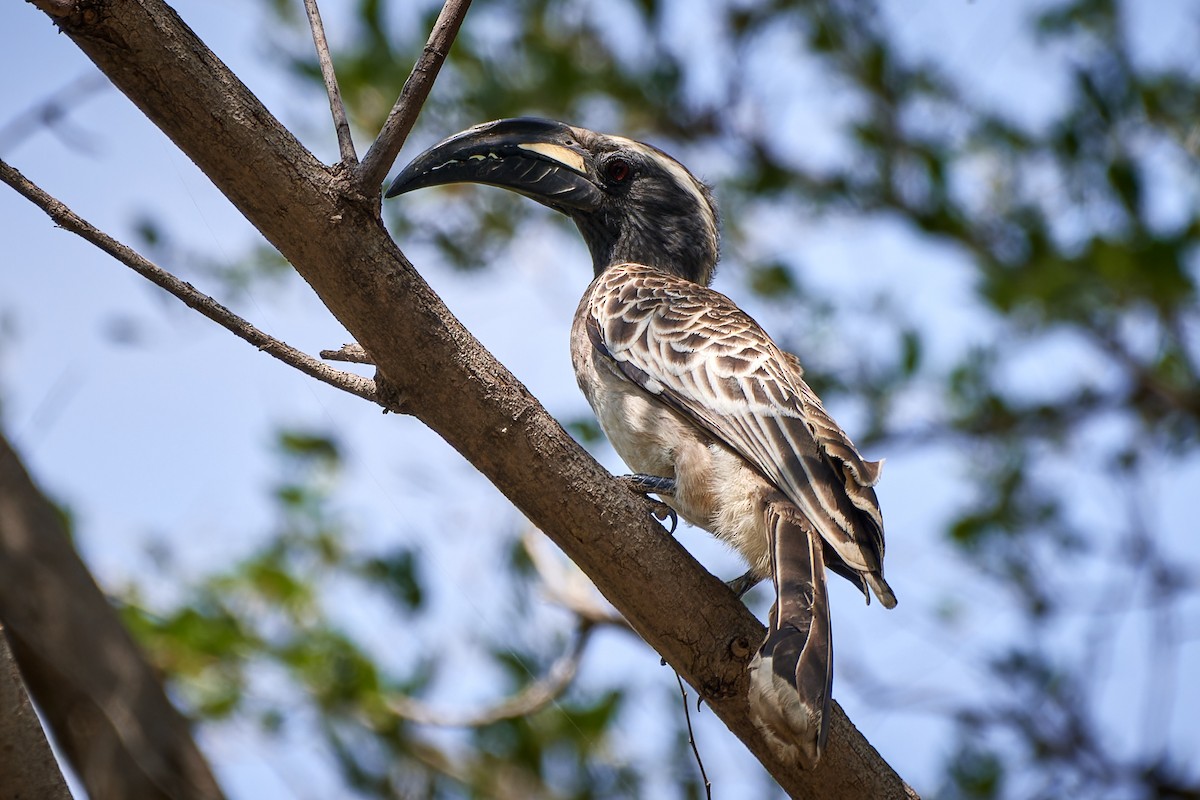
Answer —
(333, 235)
(403, 116)
(103, 700)
(55, 8)
(350, 353)
(70, 221)
(50, 111)
(529, 700)
(565, 585)
(26, 760)
(336, 106)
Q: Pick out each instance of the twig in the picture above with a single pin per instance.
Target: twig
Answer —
(352, 353)
(532, 698)
(383, 152)
(692, 739)
(50, 111)
(564, 584)
(69, 220)
(340, 123)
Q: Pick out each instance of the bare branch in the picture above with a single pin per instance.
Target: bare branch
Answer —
(50, 111)
(352, 353)
(383, 152)
(1184, 400)
(69, 220)
(566, 585)
(532, 698)
(345, 141)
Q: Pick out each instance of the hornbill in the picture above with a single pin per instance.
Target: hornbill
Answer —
(708, 411)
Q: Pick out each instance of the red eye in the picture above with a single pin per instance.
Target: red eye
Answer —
(618, 170)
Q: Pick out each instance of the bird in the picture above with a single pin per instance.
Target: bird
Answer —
(712, 416)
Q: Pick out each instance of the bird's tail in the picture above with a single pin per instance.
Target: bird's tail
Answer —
(791, 676)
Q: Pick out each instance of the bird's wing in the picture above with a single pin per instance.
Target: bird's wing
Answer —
(694, 349)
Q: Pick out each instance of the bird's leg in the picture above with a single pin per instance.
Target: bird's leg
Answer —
(744, 583)
(653, 484)
(649, 484)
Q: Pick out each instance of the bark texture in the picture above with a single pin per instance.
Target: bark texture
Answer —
(335, 239)
(28, 770)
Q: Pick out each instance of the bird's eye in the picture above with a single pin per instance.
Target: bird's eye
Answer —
(618, 170)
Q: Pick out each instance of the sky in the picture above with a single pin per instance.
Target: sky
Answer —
(154, 426)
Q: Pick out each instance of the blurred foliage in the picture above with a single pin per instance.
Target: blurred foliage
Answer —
(1057, 222)
(261, 640)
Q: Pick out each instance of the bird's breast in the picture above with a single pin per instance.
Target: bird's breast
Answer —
(643, 431)
(715, 488)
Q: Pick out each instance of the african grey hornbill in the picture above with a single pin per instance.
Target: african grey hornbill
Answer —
(694, 396)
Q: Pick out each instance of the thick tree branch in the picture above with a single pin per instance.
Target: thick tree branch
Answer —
(69, 220)
(56, 8)
(336, 106)
(98, 693)
(379, 159)
(333, 236)
(26, 760)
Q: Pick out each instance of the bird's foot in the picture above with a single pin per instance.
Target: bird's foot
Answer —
(653, 484)
(744, 583)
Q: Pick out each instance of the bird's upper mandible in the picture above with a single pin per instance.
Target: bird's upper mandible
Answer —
(631, 201)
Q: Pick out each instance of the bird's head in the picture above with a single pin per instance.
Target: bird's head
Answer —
(631, 201)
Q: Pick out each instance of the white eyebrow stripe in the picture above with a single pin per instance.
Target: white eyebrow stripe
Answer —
(556, 152)
(677, 171)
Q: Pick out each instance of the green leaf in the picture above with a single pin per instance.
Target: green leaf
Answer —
(398, 573)
(772, 280)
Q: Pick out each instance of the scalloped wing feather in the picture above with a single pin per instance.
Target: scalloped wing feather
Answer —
(694, 348)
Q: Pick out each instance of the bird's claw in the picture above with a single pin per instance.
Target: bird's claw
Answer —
(743, 583)
(663, 512)
(646, 485)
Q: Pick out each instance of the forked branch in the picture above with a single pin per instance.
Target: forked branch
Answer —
(403, 116)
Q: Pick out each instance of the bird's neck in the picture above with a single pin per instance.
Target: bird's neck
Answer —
(688, 259)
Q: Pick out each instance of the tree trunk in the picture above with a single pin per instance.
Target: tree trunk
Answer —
(27, 765)
(99, 695)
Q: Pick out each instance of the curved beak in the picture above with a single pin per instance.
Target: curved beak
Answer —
(538, 158)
